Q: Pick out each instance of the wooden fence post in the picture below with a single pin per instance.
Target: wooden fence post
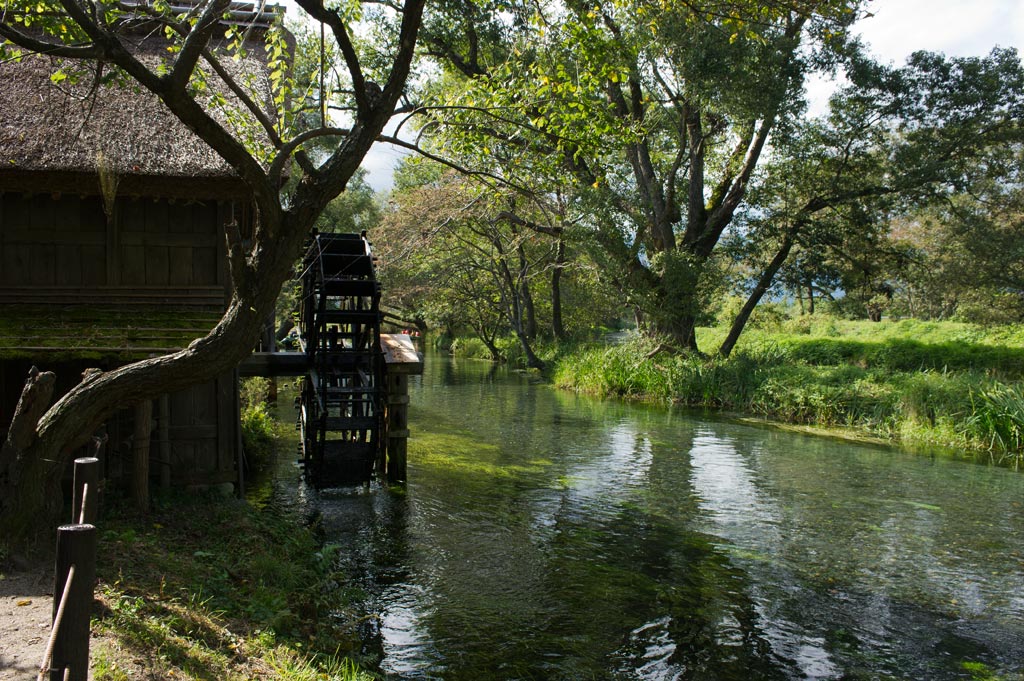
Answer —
(140, 454)
(76, 546)
(401, 360)
(87, 487)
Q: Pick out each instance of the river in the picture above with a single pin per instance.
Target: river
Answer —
(544, 535)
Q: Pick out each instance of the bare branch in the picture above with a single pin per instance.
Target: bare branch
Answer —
(258, 113)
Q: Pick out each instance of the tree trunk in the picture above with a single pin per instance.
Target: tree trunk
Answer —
(529, 312)
(763, 284)
(557, 327)
(20, 468)
(682, 332)
(287, 324)
(532, 360)
(810, 297)
(492, 348)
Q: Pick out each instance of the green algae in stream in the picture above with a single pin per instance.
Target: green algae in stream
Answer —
(462, 452)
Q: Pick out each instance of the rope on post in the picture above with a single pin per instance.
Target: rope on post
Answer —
(48, 655)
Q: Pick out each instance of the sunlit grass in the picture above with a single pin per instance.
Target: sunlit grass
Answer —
(954, 385)
(211, 588)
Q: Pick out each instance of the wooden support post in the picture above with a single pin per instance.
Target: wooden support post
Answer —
(76, 546)
(398, 426)
(401, 360)
(164, 437)
(87, 483)
(140, 454)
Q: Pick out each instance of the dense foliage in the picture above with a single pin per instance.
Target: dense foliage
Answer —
(262, 134)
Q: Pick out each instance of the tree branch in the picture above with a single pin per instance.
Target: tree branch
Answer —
(195, 43)
(316, 9)
(49, 49)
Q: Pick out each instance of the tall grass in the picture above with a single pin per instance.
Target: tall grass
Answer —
(964, 394)
(998, 418)
(211, 588)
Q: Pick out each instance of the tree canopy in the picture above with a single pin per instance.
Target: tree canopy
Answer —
(669, 128)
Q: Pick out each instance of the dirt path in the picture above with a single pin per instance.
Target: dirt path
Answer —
(26, 602)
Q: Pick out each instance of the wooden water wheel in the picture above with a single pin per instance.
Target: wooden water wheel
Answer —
(342, 401)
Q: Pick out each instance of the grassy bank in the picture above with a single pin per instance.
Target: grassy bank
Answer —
(212, 588)
(954, 385)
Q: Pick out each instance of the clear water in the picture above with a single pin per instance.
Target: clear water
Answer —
(545, 535)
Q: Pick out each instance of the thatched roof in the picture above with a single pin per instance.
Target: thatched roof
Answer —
(52, 134)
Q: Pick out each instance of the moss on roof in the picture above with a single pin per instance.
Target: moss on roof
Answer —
(99, 332)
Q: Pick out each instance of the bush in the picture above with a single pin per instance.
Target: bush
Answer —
(258, 428)
(253, 391)
(470, 347)
(928, 393)
(257, 436)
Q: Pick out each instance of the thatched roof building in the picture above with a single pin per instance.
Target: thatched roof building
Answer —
(57, 135)
(112, 248)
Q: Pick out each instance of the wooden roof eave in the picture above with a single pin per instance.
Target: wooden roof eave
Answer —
(211, 188)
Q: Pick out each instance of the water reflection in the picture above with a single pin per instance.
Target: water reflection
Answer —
(549, 536)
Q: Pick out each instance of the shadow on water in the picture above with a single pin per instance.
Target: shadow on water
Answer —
(544, 535)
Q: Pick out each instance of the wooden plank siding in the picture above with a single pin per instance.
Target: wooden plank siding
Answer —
(61, 252)
(68, 241)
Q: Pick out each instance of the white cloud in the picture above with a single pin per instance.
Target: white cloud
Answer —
(954, 27)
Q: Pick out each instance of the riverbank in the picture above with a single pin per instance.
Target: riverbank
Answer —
(208, 587)
(917, 383)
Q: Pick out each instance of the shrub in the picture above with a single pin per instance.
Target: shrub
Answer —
(470, 347)
(253, 391)
(257, 436)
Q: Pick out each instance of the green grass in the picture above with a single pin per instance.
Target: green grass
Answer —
(948, 384)
(211, 588)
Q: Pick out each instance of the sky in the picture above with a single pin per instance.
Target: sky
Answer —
(957, 28)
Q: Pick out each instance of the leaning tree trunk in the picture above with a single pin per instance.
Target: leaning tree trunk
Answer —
(763, 284)
(532, 360)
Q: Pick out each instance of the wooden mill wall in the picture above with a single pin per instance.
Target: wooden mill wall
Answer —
(67, 241)
(62, 250)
